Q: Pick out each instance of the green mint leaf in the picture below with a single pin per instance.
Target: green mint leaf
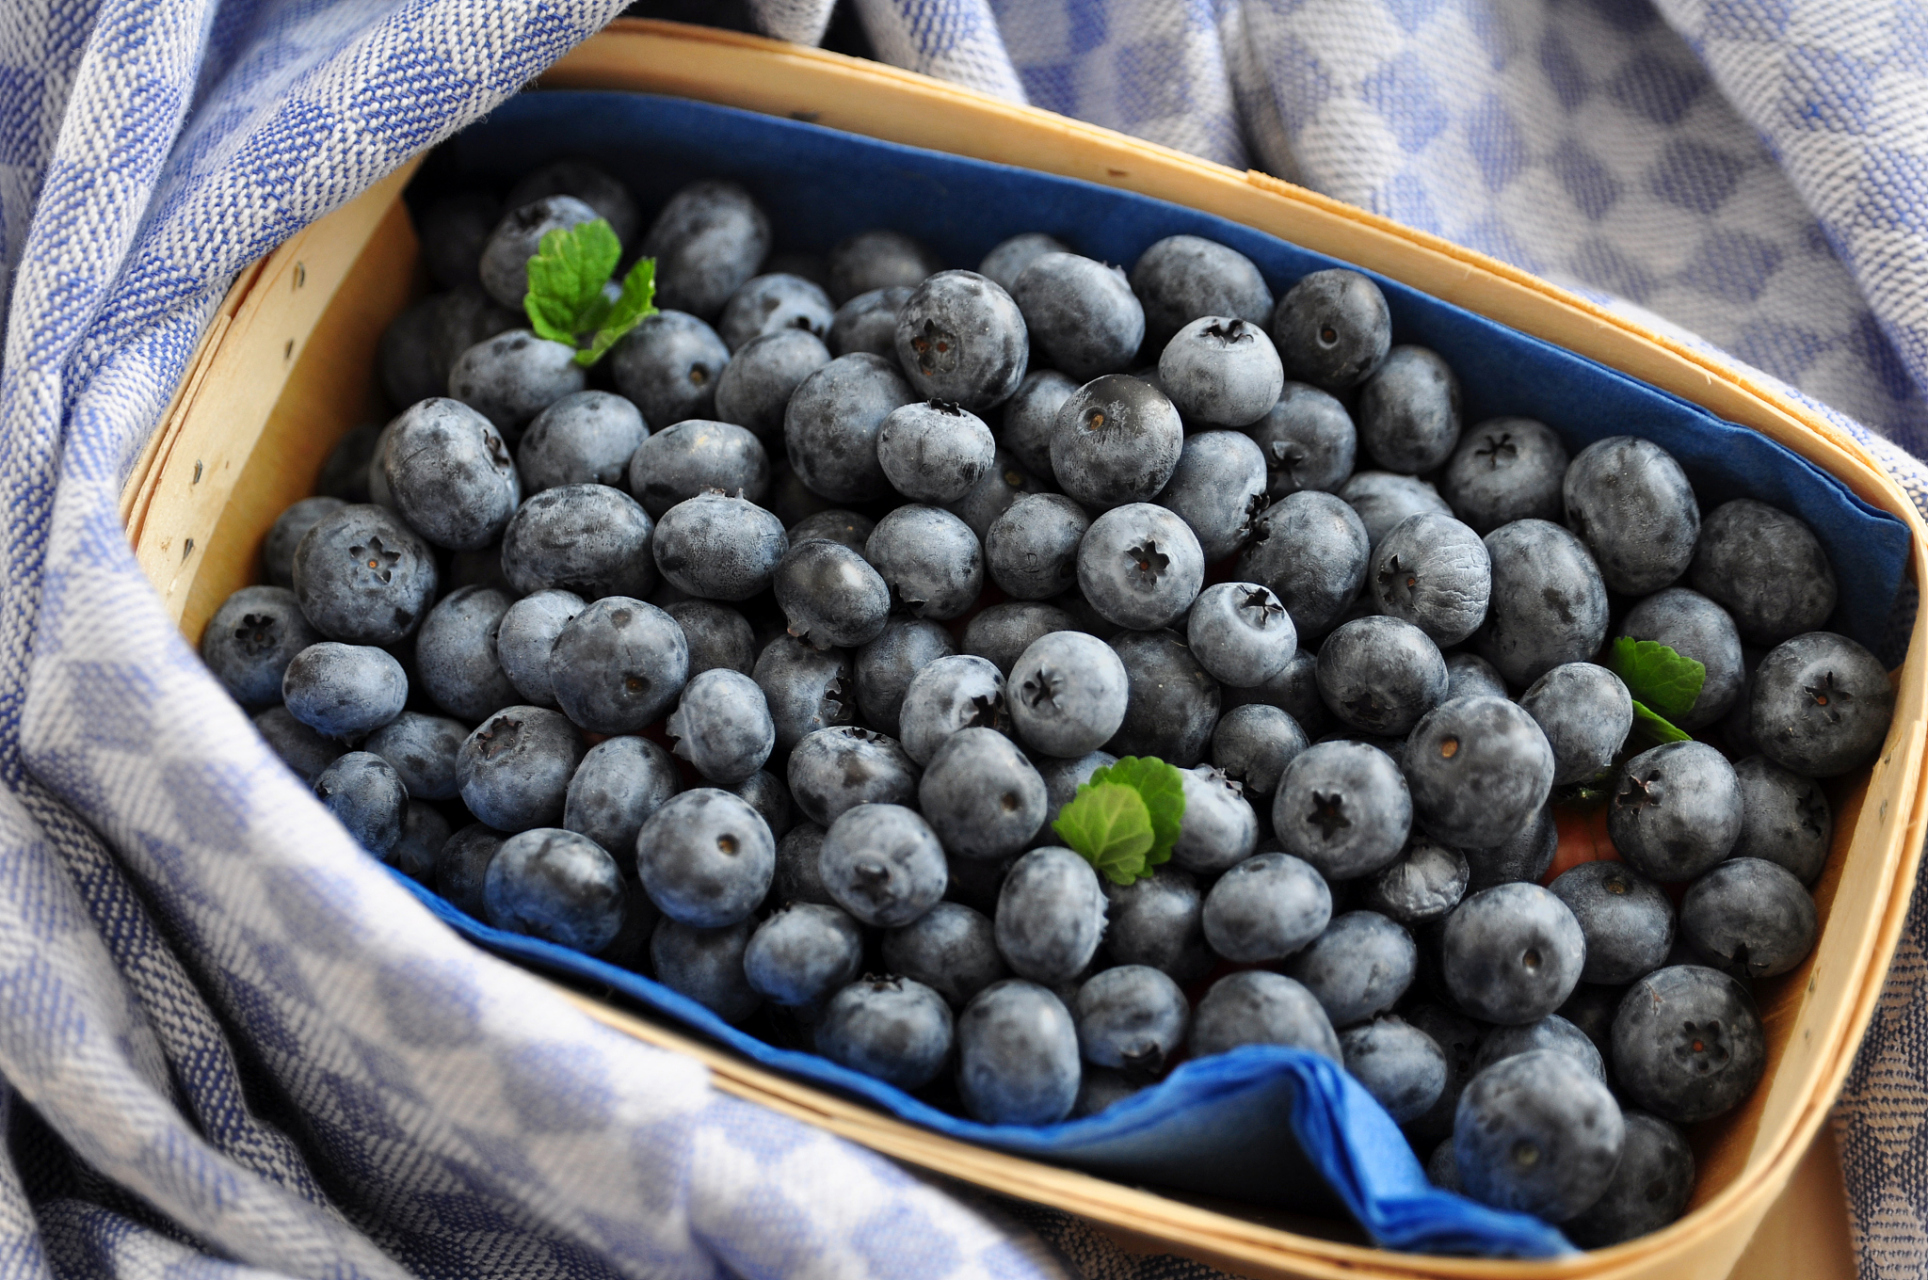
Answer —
(566, 279)
(1163, 791)
(637, 301)
(1109, 826)
(1666, 681)
(1656, 728)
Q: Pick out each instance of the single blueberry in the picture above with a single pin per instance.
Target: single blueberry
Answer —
(832, 421)
(1253, 743)
(423, 750)
(895, 1029)
(586, 438)
(344, 691)
(1171, 704)
(1221, 371)
(587, 539)
(1766, 568)
(1505, 469)
(981, 795)
(1384, 500)
(514, 769)
(1333, 329)
(868, 322)
(1425, 882)
(1470, 676)
(1512, 954)
(668, 366)
(806, 688)
(456, 653)
(722, 726)
(1434, 572)
(1688, 1044)
(252, 638)
(1030, 418)
(462, 867)
(363, 577)
(961, 338)
(883, 864)
(1398, 1064)
(692, 457)
(525, 637)
(1551, 1032)
(774, 303)
(1131, 1018)
(1257, 1006)
(1650, 1188)
(1032, 549)
(754, 389)
(1548, 605)
(450, 474)
(706, 858)
(1480, 770)
(1308, 441)
(834, 770)
(618, 784)
(1358, 967)
(1081, 313)
(1627, 920)
(1265, 908)
(1750, 917)
(1050, 915)
(510, 378)
(1218, 488)
(1017, 1055)
(885, 667)
(718, 547)
(1676, 811)
(1586, 714)
(706, 965)
(1536, 1134)
(1180, 278)
(1157, 920)
(934, 451)
(366, 795)
(878, 259)
(1409, 411)
(1117, 440)
(950, 949)
(1140, 566)
(831, 595)
(799, 874)
(557, 886)
(1524, 855)
(1219, 828)
(803, 954)
(1343, 807)
(1630, 502)
(1821, 705)
(618, 665)
(1381, 675)
(1785, 818)
(930, 560)
(709, 239)
(1310, 548)
(947, 695)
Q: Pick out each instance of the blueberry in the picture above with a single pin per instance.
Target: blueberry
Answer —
(1344, 808)
(1265, 908)
(1030, 418)
(618, 784)
(510, 378)
(1750, 916)
(586, 438)
(1131, 1018)
(1785, 818)
(1002, 632)
(799, 873)
(1333, 329)
(1434, 572)
(709, 239)
(773, 304)
(883, 864)
(950, 949)
(252, 638)
(1002, 484)
(1549, 604)
(1017, 1050)
(1651, 1186)
(1218, 489)
(1630, 502)
(1171, 704)
(1425, 882)
(1505, 469)
(504, 265)
(423, 751)
(1031, 550)
(803, 954)
(1688, 1044)
(930, 560)
(981, 795)
(961, 338)
(895, 1029)
(1180, 278)
(1140, 566)
(454, 228)
(669, 366)
(1409, 411)
(462, 867)
(344, 690)
(934, 452)
(363, 577)
(555, 885)
(1512, 953)
(1117, 440)
(1062, 778)
(1398, 1064)
(1381, 675)
(754, 389)
(1157, 920)
(1310, 548)
(1766, 568)
(1050, 915)
(1294, 690)
(1008, 258)
(609, 198)
(1081, 313)
(1219, 828)
(450, 474)
(1384, 500)
(1358, 967)
(722, 726)
(831, 595)
(878, 259)
(706, 965)
(514, 769)
(1536, 1134)
(1261, 1007)
(365, 795)
(1676, 812)
(682, 461)
(885, 667)
(1222, 371)
(806, 688)
(587, 539)
(1307, 439)
(1253, 743)
(525, 637)
(1695, 627)
(705, 857)
(1551, 1032)
(834, 770)
(1458, 1037)
(303, 750)
(1470, 676)
(278, 549)
(455, 653)
(1821, 705)
(868, 322)
(1586, 714)
(718, 547)
(618, 665)
(947, 695)
(1524, 855)
(1628, 920)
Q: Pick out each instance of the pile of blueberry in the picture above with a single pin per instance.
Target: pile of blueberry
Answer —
(894, 558)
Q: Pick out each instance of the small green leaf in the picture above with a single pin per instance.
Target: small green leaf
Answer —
(1108, 824)
(1164, 795)
(566, 279)
(1668, 682)
(1658, 729)
(638, 301)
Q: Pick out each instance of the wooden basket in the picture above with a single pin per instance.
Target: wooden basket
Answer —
(287, 367)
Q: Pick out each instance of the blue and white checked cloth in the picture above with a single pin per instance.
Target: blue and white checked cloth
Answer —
(243, 1050)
